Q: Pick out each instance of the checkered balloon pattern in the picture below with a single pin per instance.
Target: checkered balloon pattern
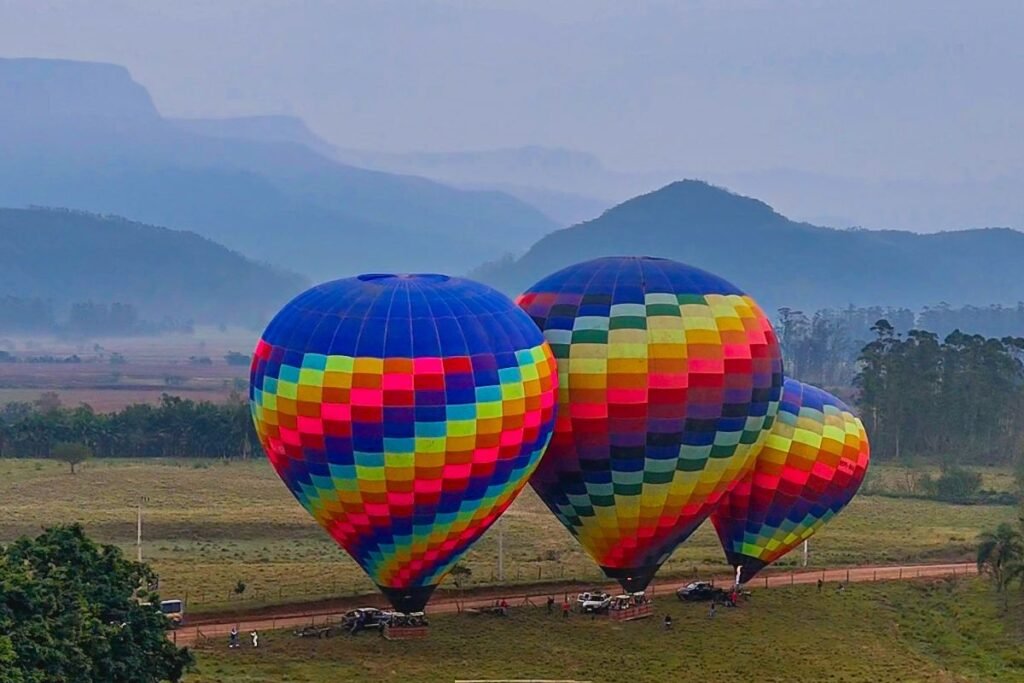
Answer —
(405, 413)
(810, 467)
(669, 379)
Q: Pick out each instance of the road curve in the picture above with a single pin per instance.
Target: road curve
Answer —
(187, 635)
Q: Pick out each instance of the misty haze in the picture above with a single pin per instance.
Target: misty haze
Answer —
(577, 341)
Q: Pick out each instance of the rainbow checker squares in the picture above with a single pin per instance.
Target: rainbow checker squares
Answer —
(669, 378)
(811, 466)
(405, 413)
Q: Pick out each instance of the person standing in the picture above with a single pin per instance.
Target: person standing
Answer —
(255, 639)
(233, 637)
(551, 604)
(711, 610)
(565, 608)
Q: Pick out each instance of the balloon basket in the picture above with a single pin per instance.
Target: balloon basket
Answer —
(631, 613)
(406, 632)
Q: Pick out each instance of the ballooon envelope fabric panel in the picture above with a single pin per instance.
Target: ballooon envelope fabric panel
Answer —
(405, 413)
(810, 467)
(669, 379)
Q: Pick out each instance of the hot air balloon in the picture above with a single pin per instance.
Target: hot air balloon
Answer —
(669, 378)
(810, 467)
(405, 413)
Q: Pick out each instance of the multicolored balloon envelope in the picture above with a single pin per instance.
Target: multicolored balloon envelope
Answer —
(669, 378)
(809, 468)
(405, 413)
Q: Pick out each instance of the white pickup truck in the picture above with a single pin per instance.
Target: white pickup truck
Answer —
(593, 601)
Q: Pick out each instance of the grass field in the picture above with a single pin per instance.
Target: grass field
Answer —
(208, 525)
(941, 630)
(899, 479)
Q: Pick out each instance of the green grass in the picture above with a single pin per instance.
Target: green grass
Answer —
(208, 525)
(900, 479)
(921, 631)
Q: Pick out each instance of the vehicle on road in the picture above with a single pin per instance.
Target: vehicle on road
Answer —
(174, 610)
(363, 618)
(699, 591)
(593, 601)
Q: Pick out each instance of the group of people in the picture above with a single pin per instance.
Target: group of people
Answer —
(233, 640)
(566, 607)
(730, 599)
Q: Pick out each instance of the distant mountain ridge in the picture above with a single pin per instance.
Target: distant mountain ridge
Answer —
(781, 262)
(260, 128)
(86, 136)
(573, 186)
(568, 185)
(67, 257)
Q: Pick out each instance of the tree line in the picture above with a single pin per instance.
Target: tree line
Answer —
(824, 348)
(176, 427)
(82, 318)
(956, 400)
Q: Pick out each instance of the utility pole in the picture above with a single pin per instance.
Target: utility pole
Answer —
(805, 552)
(501, 548)
(138, 530)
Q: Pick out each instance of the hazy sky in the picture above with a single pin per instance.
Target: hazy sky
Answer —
(874, 89)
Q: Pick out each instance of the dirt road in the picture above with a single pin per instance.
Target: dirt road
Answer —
(188, 635)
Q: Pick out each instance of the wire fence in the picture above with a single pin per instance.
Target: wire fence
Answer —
(311, 617)
(520, 577)
(312, 588)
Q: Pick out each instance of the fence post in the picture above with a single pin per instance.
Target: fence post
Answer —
(901, 573)
(874, 575)
(847, 576)
(766, 581)
(792, 578)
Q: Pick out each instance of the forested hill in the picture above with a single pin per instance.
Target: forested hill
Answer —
(782, 262)
(62, 257)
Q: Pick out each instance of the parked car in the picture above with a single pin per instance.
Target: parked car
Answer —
(363, 618)
(174, 610)
(593, 601)
(698, 591)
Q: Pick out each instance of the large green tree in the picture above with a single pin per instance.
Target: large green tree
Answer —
(70, 612)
